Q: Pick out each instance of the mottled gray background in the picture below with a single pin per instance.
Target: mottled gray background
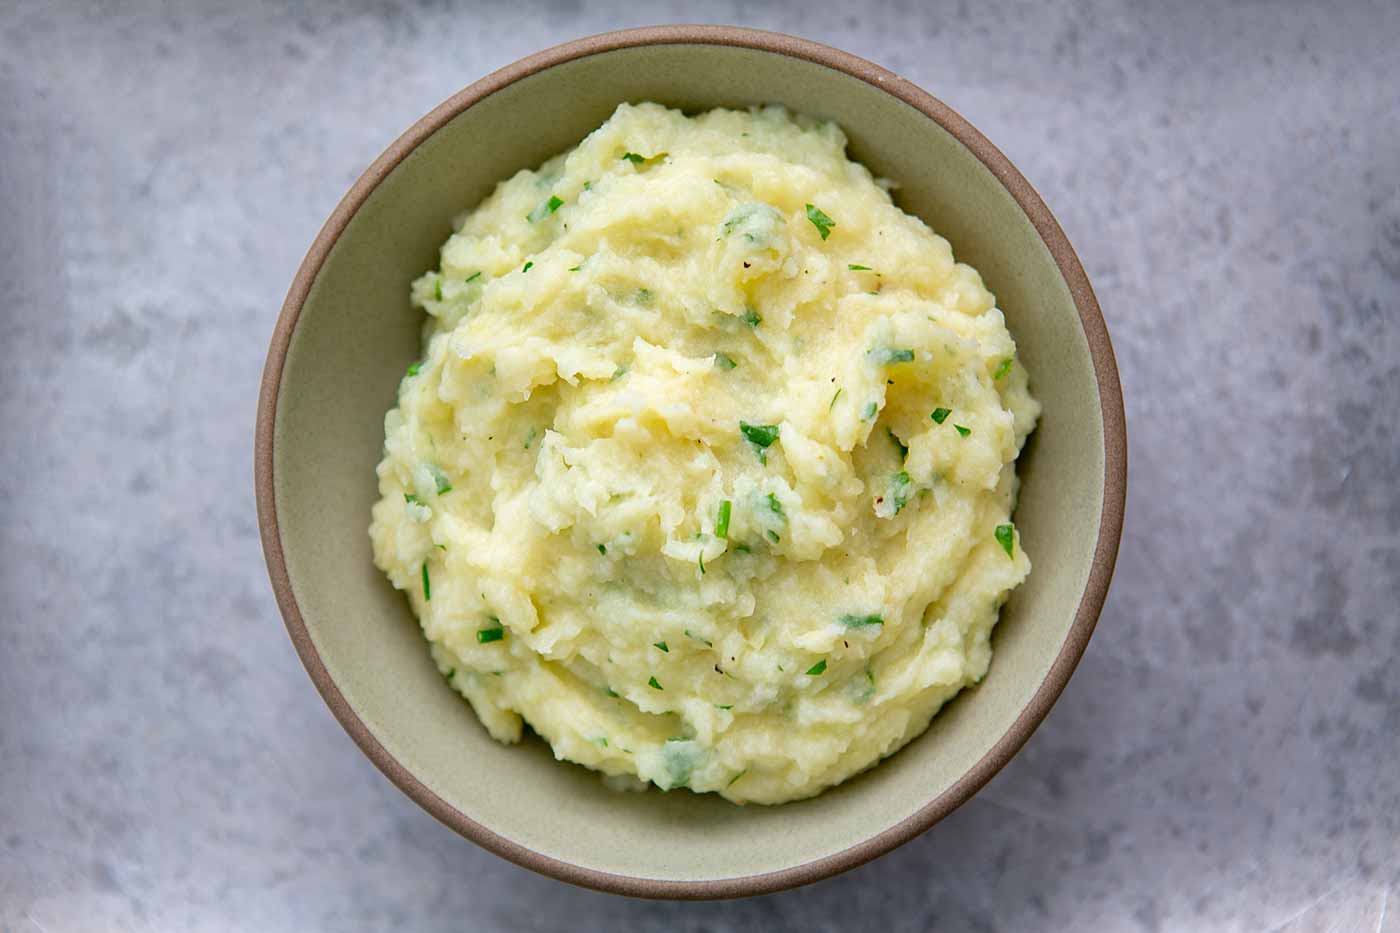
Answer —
(1226, 757)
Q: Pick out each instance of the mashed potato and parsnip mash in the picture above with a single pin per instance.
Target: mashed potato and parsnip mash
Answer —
(706, 473)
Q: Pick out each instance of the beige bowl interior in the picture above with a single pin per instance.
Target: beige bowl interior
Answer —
(356, 333)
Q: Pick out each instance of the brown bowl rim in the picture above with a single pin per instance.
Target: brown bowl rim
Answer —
(1115, 462)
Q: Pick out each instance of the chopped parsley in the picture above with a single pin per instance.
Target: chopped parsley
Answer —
(818, 668)
(488, 635)
(654, 684)
(964, 431)
(724, 361)
(868, 412)
(940, 415)
(661, 645)
(473, 277)
(427, 584)
(1003, 369)
(545, 208)
(751, 317)
(899, 445)
(440, 480)
(775, 506)
(857, 268)
(1006, 537)
(526, 267)
(819, 220)
(722, 519)
(886, 356)
(855, 621)
(833, 399)
(414, 367)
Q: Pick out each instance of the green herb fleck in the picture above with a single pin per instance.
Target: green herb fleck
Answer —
(661, 645)
(473, 277)
(722, 519)
(724, 361)
(885, 356)
(819, 220)
(940, 415)
(818, 668)
(1003, 369)
(742, 549)
(833, 399)
(899, 445)
(775, 506)
(855, 621)
(1006, 536)
(762, 435)
(437, 290)
(530, 438)
(654, 684)
(575, 268)
(702, 561)
(773, 536)
(451, 673)
(488, 635)
(601, 741)
(440, 547)
(736, 777)
(868, 412)
(644, 296)
(544, 209)
(899, 490)
(751, 317)
(427, 584)
(963, 430)
(610, 692)
(602, 549)
(410, 497)
(857, 268)
(704, 641)
(621, 371)
(526, 267)
(724, 706)
(634, 158)
(444, 485)
(414, 367)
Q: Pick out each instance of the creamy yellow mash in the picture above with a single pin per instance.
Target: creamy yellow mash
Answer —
(706, 472)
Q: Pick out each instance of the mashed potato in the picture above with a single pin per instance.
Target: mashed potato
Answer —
(707, 470)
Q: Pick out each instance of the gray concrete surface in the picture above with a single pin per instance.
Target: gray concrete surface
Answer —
(1227, 756)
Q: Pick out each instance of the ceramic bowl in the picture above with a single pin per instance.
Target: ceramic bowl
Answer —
(346, 334)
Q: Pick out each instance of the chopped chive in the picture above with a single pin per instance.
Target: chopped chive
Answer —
(644, 296)
(702, 562)
(751, 317)
(602, 549)
(544, 209)
(940, 415)
(761, 435)
(833, 399)
(610, 692)
(724, 706)
(440, 480)
(451, 673)
(601, 741)
(704, 641)
(488, 635)
(773, 536)
(437, 290)
(1003, 369)
(588, 186)
(633, 158)
(654, 684)
(899, 490)
(530, 438)
(427, 584)
(724, 361)
(574, 268)
(410, 497)
(902, 447)
(963, 430)
(526, 267)
(817, 668)
(661, 645)
(855, 621)
(819, 220)
(868, 412)
(857, 268)
(885, 356)
(473, 277)
(621, 371)
(414, 367)
(736, 777)
(722, 519)
(742, 549)
(440, 547)
(775, 506)
(1006, 536)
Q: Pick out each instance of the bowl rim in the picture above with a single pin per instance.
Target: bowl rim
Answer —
(1111, 410)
